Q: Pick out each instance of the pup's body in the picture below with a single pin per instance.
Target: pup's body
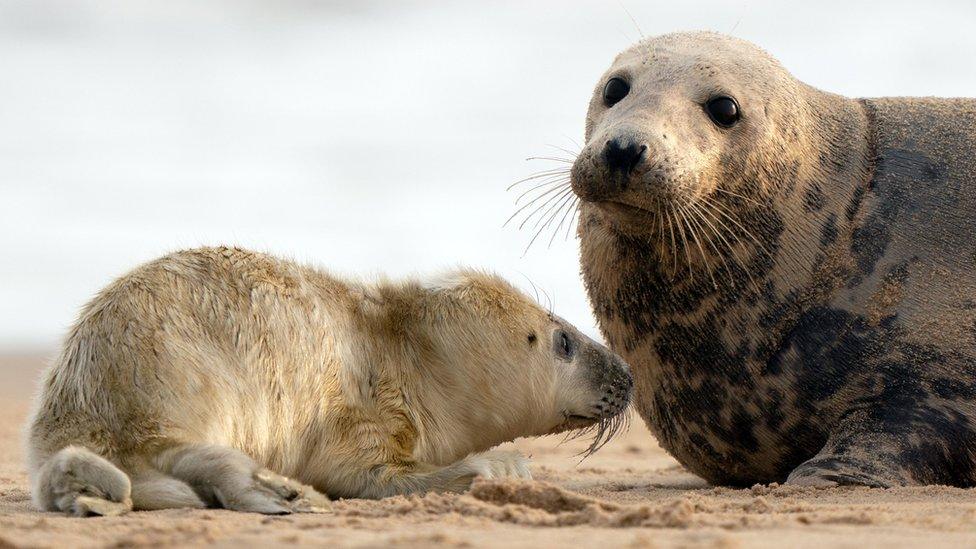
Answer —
(208, 376)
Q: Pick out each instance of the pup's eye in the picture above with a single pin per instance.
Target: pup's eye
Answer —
(563, 344)
(615, 90)
(531, 339)
(724, 111)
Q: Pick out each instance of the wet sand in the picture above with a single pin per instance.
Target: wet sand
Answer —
(630, 494)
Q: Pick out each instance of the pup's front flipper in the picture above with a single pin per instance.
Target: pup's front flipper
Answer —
(300, 498)
(80, 482)
(230, 479)
(497, 464)
(456, 477)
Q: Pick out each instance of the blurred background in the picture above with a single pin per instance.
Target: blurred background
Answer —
(362, 136)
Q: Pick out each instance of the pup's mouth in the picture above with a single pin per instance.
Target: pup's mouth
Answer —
(572, 422)
(607, 418)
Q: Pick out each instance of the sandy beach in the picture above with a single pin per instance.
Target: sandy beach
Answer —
(630, 494)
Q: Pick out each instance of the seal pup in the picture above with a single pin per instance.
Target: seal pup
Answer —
(227, 378)
(790, 273)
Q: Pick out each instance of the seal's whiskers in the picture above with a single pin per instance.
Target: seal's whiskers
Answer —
(569, 209)
(684, 241)
(557, 189)
(696, 209)
(553, 180)
(572, 219)
(539, 175)
(737, 195)
(566, 197)
(707, 215)
(725, 212)
(552, 210)
(552, 197)
(692, 223)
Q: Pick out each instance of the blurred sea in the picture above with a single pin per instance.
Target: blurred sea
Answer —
(361, 136)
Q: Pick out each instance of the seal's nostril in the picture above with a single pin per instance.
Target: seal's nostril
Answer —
(623, 154)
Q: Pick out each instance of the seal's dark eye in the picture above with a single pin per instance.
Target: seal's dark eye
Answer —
(615, 90)
(531, 339)
(563, 345)
(724, 111)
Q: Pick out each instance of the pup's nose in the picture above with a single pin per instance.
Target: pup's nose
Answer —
(623, 154)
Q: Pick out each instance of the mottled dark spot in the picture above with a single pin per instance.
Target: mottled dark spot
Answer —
(953, 389)
(868, 245)
(813, 199)
(742, 430)
(910, 166)
(702, 445)
(787, 174)
(829, 343)
(855, 204)
(894, 189)
(780, 310)
(773, 414)
(898, 274)
(692, 349)
(828, 233)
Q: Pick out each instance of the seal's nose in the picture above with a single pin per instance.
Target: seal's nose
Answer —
(623, 155)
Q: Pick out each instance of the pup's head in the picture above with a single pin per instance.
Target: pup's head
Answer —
(681, 123)
(504, 367)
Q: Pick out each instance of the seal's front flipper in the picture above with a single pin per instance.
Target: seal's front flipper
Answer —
(895, 445)
(826, 470)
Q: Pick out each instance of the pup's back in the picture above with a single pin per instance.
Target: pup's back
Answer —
(185, 339)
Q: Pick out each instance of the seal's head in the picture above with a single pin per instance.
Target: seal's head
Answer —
(678, 120)
(513, 369)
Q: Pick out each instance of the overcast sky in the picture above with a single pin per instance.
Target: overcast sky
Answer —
(364, 137)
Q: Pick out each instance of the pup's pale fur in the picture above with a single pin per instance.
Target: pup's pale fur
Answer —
(213, 377)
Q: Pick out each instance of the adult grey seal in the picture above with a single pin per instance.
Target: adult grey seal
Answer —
(791, 274)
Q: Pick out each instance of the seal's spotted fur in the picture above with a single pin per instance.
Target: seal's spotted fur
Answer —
(829, 335)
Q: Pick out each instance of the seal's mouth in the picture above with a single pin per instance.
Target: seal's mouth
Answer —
(623, 209)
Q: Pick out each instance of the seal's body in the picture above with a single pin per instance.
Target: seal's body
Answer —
(790, 273)
(214, 377)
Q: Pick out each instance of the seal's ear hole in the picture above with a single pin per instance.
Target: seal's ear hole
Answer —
(532, 338)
